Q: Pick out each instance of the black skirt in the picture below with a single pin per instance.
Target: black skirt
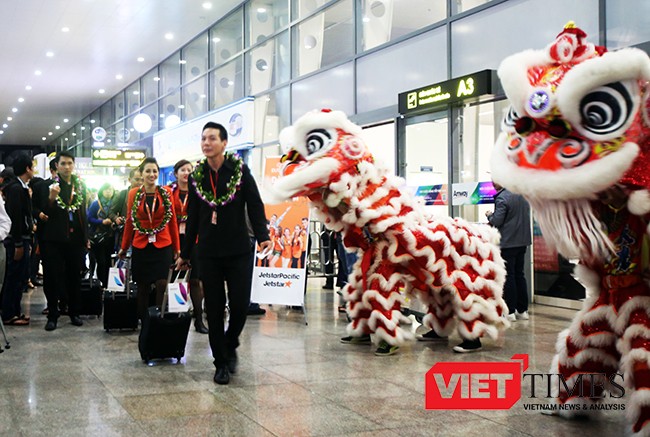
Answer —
(151, 263)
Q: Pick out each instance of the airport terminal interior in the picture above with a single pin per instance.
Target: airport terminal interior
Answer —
(294, 379)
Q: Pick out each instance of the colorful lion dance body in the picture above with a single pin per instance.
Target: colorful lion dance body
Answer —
(454, 267)
(575, 143)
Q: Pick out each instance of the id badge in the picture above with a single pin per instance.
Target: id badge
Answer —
(152, 238)
(70, 216)
(214, 218)
(181, 228)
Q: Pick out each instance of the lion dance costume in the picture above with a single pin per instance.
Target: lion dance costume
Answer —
(454, 267)
(575, 143)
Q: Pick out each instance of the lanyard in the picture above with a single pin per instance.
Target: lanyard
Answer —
(213, 182)
(183, 202)
(148, 210)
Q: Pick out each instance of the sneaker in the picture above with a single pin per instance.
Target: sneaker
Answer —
(431, 336)
(364, 339)
(522, 316)
(510, 317)
(386, 349)
(469, 346)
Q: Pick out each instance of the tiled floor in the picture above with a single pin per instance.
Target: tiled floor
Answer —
(293, 380)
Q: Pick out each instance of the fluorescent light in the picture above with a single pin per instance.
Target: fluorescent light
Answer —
(118, 76)
(169, 36)
(28, 87)
(65, 29)
(102, 91)
(140, 59)
(207, 5)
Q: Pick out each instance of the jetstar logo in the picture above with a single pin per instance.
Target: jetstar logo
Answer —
(475, 386)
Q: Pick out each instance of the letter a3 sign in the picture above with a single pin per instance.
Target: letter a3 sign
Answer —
(475, 386)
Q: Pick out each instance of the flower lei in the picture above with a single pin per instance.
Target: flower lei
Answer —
(77, 200)
(183, 217)
(167, 204)
(231, 188)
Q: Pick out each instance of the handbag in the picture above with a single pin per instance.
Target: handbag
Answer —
(116, 278)
(178, 296)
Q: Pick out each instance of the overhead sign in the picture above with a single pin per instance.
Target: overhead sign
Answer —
(450, 91)
(118, 157)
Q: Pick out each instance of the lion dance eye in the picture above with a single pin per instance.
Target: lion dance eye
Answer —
(509, 120)
(318, 139)
(606, 109)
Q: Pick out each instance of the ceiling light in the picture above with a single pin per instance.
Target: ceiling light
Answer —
(57, 127)
(28, 87)
(74, 134)
(140, 59)
(118, 76)
(102, 91)
(1, 132)
(136, 92)
(38, 72)
(49, 54)
(20, 100)
(207, 5)
(83, 127)
(92, 121)
(156, 79)
(65, 139)
(65, 29)
(216, 39)
(14, 109)
(65, 120)
(261, 10)
(5, 125)
(49, 133)
(182, 62)
(172, 120)
(169, 35)
(181, 106)
(44, 138)
(9, 118)
(366, 20)
(230, 82)
(142, 123)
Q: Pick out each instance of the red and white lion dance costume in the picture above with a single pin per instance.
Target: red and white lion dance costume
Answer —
(454, 267)
(576, 144)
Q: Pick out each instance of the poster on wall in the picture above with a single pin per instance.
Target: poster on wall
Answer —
(473, 193)
(279, 275)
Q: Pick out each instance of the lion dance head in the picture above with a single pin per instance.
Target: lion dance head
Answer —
(578, 125)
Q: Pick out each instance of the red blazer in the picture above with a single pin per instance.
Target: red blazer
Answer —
(176, 201)
(169, 234)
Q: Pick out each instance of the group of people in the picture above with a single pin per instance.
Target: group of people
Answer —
(196, 222)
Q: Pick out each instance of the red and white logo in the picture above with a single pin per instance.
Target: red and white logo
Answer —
(475, 386)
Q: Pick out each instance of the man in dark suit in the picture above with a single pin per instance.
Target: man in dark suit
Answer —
(63, 239)
(17, 244)
(221, 192)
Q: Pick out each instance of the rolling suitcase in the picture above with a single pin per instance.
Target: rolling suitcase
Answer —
(120, 307)
(91, 297)
(164, 334)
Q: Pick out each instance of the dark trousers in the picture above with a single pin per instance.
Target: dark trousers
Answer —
(515, 290)
(16, 277)
(215, 273)
(102, 253)
(62, 275)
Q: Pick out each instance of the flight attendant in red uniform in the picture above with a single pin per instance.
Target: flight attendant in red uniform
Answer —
(152, 229)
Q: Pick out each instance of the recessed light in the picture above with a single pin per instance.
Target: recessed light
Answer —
(57, 127)
(140, 59)
(216, 39)
(83, 127)
(14, 109)
(28, 87)
(261, 10)
(1, 132)
(136, 92)
(38, 72)
(65, 29)
(181, 106)
(65, 139)
(156, 78)
(74, 134)
(49, 133)
(102, 91)
(49, 54)
(182, 62)
(207, 5)
(118, 76)
(230, 82)
(20, 100)
(169, 35)
(65, 120)
(365, 19)
(9, 118)
(92, 121)
(5, 125)
(44, 138)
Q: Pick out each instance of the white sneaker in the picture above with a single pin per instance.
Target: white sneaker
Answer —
(511, 317)
(521, 316)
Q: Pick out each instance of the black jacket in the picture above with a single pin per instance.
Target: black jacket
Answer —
(58, 227)
(230, 235)
(19, 208)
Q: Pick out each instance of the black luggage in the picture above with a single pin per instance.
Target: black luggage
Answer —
(91, 297)
(163, 334)
(121, 307)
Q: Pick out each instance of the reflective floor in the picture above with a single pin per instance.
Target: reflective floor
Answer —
(293, 380)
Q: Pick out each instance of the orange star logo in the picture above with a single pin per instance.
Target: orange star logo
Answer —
(287, 284)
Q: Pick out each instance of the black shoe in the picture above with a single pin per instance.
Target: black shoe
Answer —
(328, 287)
(200, 327)
(221, 376)
(76, 321)
(431, 336)
(232, 362)
(50, 325)
(255, 311)
(468, 346)
(364, 339)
